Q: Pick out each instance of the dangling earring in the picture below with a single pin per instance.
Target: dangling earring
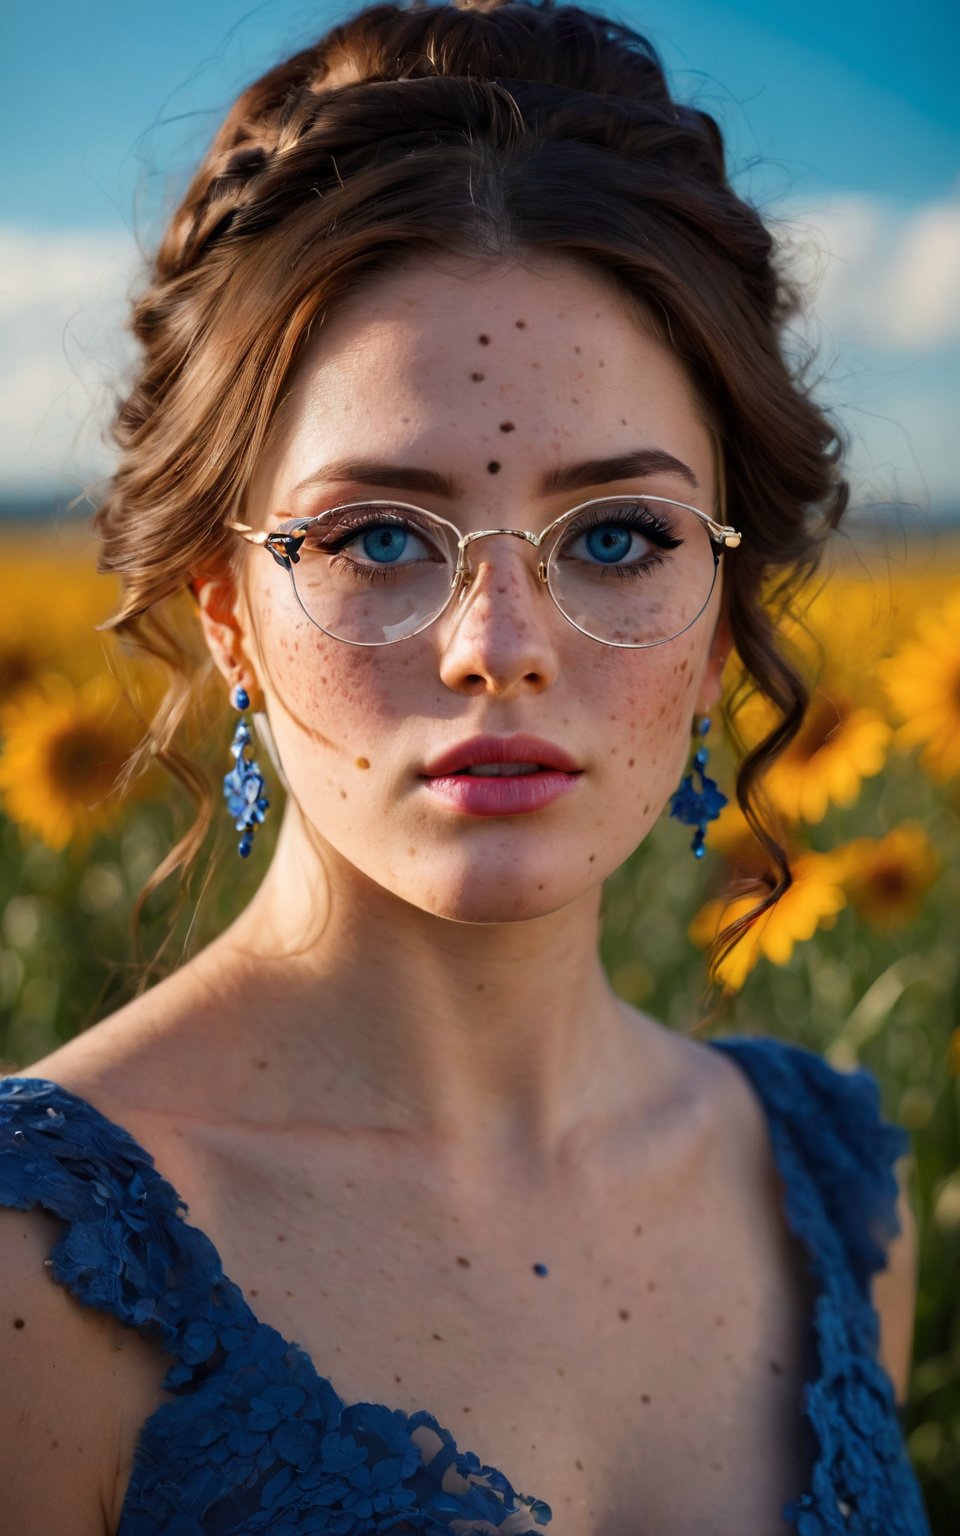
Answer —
(693, 806)
(243, 785)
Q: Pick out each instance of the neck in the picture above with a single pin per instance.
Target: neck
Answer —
(374, 1012)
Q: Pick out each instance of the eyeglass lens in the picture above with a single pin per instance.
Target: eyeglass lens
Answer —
(629, 572)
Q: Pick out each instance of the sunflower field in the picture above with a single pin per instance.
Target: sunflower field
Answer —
(859, 960)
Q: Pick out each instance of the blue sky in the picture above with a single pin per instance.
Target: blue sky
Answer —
(841, 118)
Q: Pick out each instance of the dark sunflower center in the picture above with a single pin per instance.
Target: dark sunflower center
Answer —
(891, 881)
(824, 716)
(83, 762)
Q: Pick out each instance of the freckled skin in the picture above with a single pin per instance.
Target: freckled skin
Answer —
(501, 658)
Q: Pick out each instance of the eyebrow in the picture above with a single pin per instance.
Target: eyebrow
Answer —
(564, 477)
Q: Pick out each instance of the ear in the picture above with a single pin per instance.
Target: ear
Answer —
(711, 686)
(221, 620)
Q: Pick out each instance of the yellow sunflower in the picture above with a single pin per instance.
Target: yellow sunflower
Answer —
(923, 681)
(812, 902)
(885, 879)
(839, 745)
(63, 749)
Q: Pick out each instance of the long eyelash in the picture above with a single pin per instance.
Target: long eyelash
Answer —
(339, 562)
(653, 524)
(356, 525)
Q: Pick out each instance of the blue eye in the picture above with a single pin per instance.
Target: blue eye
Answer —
(385, 543)
(609, 543)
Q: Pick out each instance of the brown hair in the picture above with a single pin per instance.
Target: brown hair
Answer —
(485, 127)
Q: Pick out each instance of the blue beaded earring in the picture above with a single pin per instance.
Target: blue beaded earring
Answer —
(693, 806)
(243, 785)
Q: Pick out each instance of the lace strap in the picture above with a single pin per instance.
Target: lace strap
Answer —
(830, 1123)
(126, 1249)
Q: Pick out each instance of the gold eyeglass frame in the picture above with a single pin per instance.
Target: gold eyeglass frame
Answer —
(284, 545)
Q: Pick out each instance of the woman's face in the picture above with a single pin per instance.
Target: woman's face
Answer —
(489, 376)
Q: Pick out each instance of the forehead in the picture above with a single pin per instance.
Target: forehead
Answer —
(463, 361)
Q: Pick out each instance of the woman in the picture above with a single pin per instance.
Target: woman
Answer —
(463, 416)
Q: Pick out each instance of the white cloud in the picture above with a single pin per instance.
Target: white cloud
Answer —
(880, 274)
(62, 308)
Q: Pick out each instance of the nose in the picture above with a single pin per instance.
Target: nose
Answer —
(500, 633)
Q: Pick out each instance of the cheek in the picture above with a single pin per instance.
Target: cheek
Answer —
(648, 716)
(339, 696)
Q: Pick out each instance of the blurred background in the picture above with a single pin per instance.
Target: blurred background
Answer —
(843, 126)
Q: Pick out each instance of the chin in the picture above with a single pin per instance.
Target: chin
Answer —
(496, 895)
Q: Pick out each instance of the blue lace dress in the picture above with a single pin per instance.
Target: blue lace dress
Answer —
(255, 1439)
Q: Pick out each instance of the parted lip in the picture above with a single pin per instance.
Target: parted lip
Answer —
(500, 749)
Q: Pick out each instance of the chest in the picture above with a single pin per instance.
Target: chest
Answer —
(649, 1382)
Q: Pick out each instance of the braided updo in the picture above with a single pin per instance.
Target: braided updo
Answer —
(486, 127)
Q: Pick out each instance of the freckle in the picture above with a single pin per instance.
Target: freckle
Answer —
(411, 851)
(624, 1314)
(479, 986)
(630, 762)
(463, 1261)
(18, 1322)
(492, 467)
(579, 1465)
(343, 794)
(606, 1283)
(281, 1238)
(638, 1231)
(719, 1321)
(466, 1409)
(54, 1445)
(477, 378)
(484, 341)
(575, 399)
(561, 1370)
(289, 1293)
(576, 349)
(363, 762)
(644, 1397)
(684, 664)
(534, 365)
(592, 858)
(600, 363)
(506, 426)
(717, 1466)
(439, 1337)
(539, 887)
(521, 325)
(262, 1065)
(254, 1293)
(623, 421)
(651, 1285)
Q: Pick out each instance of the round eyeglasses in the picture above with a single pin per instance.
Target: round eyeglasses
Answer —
(628, 571)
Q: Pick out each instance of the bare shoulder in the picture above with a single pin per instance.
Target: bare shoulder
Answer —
(78, 1383)
(895, 1292)
(69, 1373)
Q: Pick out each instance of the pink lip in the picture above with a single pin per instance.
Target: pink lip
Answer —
(500, 749)
(505, 795)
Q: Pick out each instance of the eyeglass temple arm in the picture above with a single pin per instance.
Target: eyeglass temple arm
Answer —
(720, 533)
(284, 547)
